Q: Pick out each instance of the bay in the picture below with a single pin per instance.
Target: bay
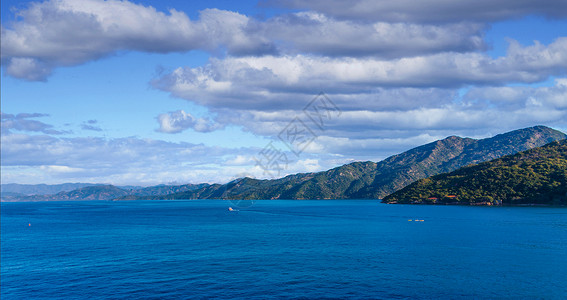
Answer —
(355, 249)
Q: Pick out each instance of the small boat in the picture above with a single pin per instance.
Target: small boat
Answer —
(232, 209)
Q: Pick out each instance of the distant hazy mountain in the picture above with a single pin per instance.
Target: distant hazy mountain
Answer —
(536, 176)
(50, 189)
(370, 180)
(42, 189)
(93, 192)
(102, 192)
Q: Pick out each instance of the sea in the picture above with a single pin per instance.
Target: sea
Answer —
(272, 249)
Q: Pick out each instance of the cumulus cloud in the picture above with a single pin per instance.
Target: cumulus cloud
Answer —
(60, 33)
(381, 98)
(66, 33)
(520, 97)
(178, 121)
(27, 68)
(430, 11)
(22, 122)
(386, 113)
(258, 82)
(309, 32)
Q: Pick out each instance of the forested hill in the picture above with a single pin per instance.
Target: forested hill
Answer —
(536, 176)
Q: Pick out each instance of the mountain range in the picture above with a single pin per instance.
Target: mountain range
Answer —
(42, 189)
(357, 180)
(92, 192)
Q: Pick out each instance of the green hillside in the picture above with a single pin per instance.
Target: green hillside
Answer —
(536, 176)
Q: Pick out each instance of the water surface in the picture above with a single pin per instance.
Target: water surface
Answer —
(281, 249)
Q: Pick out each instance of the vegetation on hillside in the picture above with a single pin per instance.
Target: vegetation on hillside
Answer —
(536, 176)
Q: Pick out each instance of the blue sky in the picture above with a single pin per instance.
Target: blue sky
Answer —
(151, 92)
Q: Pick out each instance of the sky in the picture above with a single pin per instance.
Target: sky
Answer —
(175, 92)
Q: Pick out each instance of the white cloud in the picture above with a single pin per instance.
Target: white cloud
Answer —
(134, 161)
(60, 33)
(306, 165)
(271, 81)
(22, 122)
(373, 148)
(66, 33)
(178, 121)
(381, 98)
(60, 169)
(309, 32)
(240, 160)
(27, 68)
(387, 114)
(120, 160)
(520, 97)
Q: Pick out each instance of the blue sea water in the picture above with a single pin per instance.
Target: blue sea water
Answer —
(281, 249)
